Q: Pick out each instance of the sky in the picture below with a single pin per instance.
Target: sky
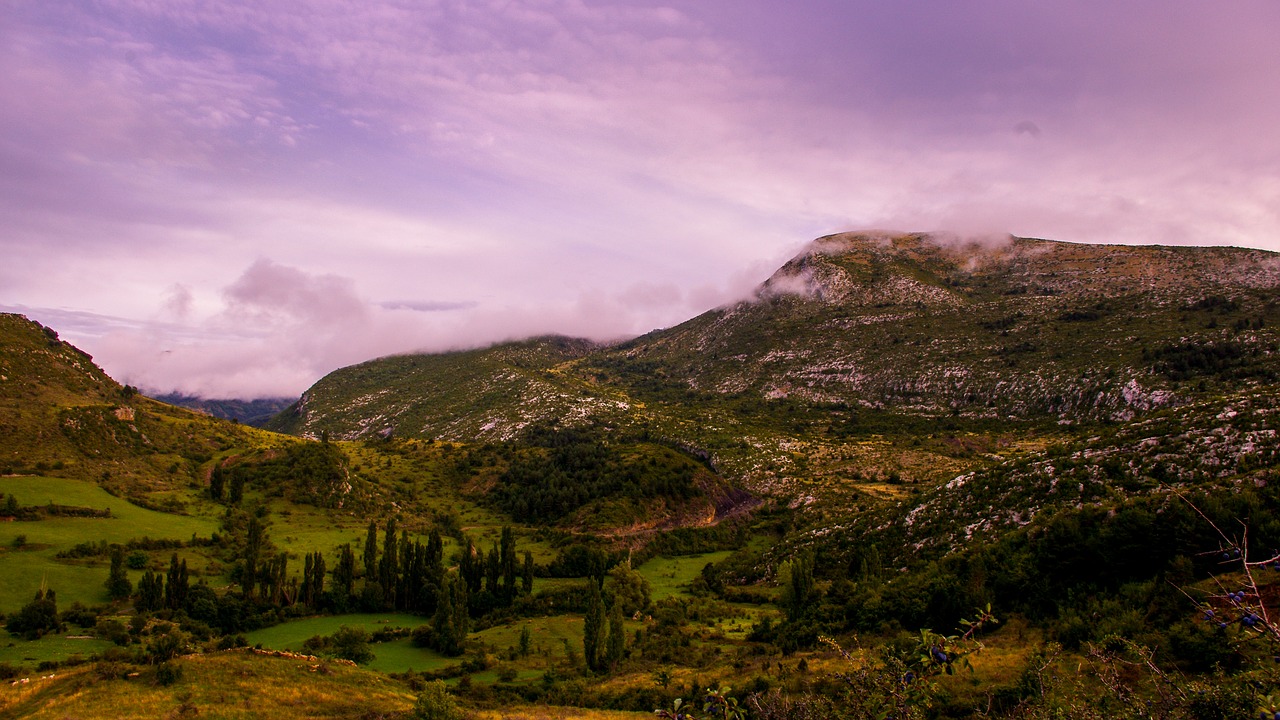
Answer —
(233, 198)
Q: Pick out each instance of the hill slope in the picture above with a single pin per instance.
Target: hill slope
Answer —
(866, 359)
(449, 395)
(60, 413)
(1027, 329)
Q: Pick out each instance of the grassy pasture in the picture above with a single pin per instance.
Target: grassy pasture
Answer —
(76, 641)
(669, 576)
(393, 656)
(548, 634)
(291, 635)
(34, 563)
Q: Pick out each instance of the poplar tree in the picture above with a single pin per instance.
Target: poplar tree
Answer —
(150, 592)
(344, 577)
(253, 547)
(617, 643)
(492, 571)
(388, 569)
(593, 628)
(526, 578)
(371, 552)
(118, 585)
(216, 481)
(507, 559)
(450, 624)
(177, 584)
(471, 567)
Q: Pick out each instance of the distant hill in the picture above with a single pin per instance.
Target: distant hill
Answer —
(446, 395)
(250, 412)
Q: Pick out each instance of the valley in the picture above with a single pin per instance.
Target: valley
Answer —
(909, 477)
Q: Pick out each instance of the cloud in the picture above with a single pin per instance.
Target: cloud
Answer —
(269, 293)
(451, 173)
(425, 305)
(278, 329)
(178, 302)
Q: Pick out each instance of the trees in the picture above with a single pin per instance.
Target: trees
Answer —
(150, 593)
(799, 587)
(388, 568)
(526, 575)
(344, 577)
(616, 645)
(176, 585)
(255, 536)
(118, 585)
(593, 628)
(371, 552)
(312, 591)
(626, 589)
(507, 559)
(37, 617)
(450, 624)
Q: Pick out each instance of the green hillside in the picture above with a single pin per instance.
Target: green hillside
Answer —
(445, 395)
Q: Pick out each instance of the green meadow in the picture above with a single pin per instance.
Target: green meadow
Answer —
(670, 576)
(28, 549)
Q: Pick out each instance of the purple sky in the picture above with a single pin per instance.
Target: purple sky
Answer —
(233, 198)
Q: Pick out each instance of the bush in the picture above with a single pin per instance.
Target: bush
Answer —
(348, 643)
(37, 617)
(80, 615)
(168, 673)
(435, 703)
(422, 636)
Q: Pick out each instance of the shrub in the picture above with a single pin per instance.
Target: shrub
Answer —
(168, 673)
(37, 617)
(435, 703)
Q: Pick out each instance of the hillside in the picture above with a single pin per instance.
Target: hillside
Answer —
(449, 395)
(1030, 329)
(62, 415)
(965, 350)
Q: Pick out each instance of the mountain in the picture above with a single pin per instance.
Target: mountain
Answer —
(254, 412)
(1021, 330)
(866, 358)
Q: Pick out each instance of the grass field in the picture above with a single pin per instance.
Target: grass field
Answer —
(27, 567)
(670, 576)
(21, 653)
(548, 635)
(291, 635)
(393, 656)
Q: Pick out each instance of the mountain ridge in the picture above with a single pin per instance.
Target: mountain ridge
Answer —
(862, 331)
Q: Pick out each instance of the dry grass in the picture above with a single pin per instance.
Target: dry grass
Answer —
(548, 712)
(231, 685)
